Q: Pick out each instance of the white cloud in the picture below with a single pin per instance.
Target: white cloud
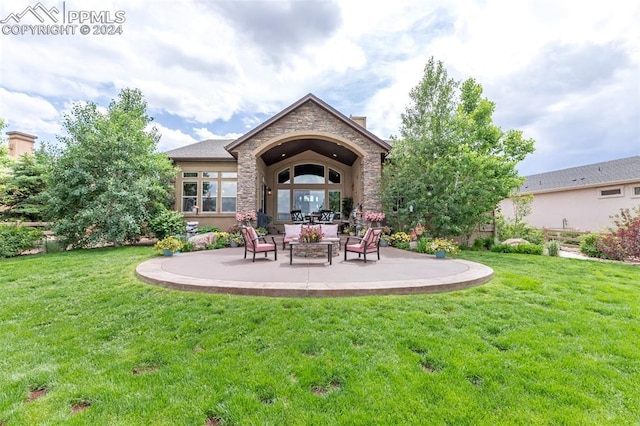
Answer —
(171, 138)
(204, 133)
(204, 64)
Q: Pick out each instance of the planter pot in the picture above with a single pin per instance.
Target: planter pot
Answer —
(233, 244)
(413, 245)
(440, 254)
(167, 253)
(383, 243)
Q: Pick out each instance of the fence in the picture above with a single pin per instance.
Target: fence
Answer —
(564, 235)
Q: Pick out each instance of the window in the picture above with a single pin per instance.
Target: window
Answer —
(334, 176)
(189, 196)
(636, 191)
(335, 200)
(209, 196)
(228, 200)
(308, 201)
(211, 191)
(610, 192)
(308, 173)
(284, 204)
(284, 176)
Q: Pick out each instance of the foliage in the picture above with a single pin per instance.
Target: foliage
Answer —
(16, 239)
(222, 240)
(519, 249)
(167, 222)
(207, 229)
(5, 161)
(521, 207)
(507, 228)
(371, 216)
(347, 207)
(553, 248)
(169, 243)
(443, 244)
(108, 182)
(246, 216)
(624, 240)
(398, 238)
(589, 246)
(262, 231)
(236, 237)
(311, 234)
(21, 193)
(484, 243)
(451, 164)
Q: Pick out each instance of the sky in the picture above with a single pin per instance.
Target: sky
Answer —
(566, 73)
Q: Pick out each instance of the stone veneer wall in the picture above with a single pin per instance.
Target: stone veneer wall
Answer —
(310, 117)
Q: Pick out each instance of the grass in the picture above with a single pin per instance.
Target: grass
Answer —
(547, 341)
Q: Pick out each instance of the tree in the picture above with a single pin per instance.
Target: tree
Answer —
(451, 164)
(21, 195)
(108, 182)
(5, 161)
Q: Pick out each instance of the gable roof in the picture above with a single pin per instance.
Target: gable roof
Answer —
(207, 150)
(310, 97)
(598, 174)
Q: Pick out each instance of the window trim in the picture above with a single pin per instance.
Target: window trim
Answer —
(619, 192)
(635, 191)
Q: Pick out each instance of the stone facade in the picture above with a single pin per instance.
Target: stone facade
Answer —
(312, 119)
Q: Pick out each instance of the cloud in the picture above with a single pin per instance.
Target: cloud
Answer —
(171, 138)
(29, 114)
(204, 134)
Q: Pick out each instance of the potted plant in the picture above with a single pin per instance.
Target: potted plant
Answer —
(235, 239)
(262, 231)
(384, 240)
(441, 246)
(169, 245)
(310, 234)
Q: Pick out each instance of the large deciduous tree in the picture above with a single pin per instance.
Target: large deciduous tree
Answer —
(451, 165)
(109, 180)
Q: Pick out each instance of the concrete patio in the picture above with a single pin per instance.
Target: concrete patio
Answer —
(397, 272)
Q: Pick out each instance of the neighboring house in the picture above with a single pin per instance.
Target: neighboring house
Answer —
(581, 198)
(307, 157)
(20, 143)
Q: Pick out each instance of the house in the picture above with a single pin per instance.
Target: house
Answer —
(307, 157)
(20, 143)
(581, 198)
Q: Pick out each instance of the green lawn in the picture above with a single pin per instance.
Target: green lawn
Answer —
(547, 341)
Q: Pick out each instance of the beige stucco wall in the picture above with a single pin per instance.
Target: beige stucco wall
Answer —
(582, 208)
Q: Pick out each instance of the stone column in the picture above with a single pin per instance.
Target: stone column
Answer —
(247, 178)
(372, 168)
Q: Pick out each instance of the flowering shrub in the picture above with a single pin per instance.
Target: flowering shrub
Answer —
(624, 242)
(399, 238)
(441, 244)
(311, 234)
(169, 243)
(374, 216)
(245, 216)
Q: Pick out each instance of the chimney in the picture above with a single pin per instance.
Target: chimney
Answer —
(362, 121)
(20, 143)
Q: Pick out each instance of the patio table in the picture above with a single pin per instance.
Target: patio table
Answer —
(328, 244)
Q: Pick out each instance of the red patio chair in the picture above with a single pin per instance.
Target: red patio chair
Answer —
(370, 243)
(256, 244)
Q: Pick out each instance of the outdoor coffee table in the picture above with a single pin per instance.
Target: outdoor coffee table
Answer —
(328, 244)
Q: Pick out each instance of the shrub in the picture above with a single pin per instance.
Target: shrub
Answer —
(508, 230)
(589, 247)
(170, 244)
(16, 239)
(483, 243)
(553, 248)
(166, 223)
(520, 249)
(424, 246)
(206, 229)
(398, 238)
(624, 242)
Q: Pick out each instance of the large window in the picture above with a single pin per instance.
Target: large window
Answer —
(209, 192)
(309, 188)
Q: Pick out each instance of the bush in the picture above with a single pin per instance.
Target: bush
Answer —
(424, 246)
(624, 242)
(519, 249)
(588, 245)
(16, 239)
(207, 229)
(483, 243)
(398, 238)
(521, 230)
(553, 248)
(167, 223)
